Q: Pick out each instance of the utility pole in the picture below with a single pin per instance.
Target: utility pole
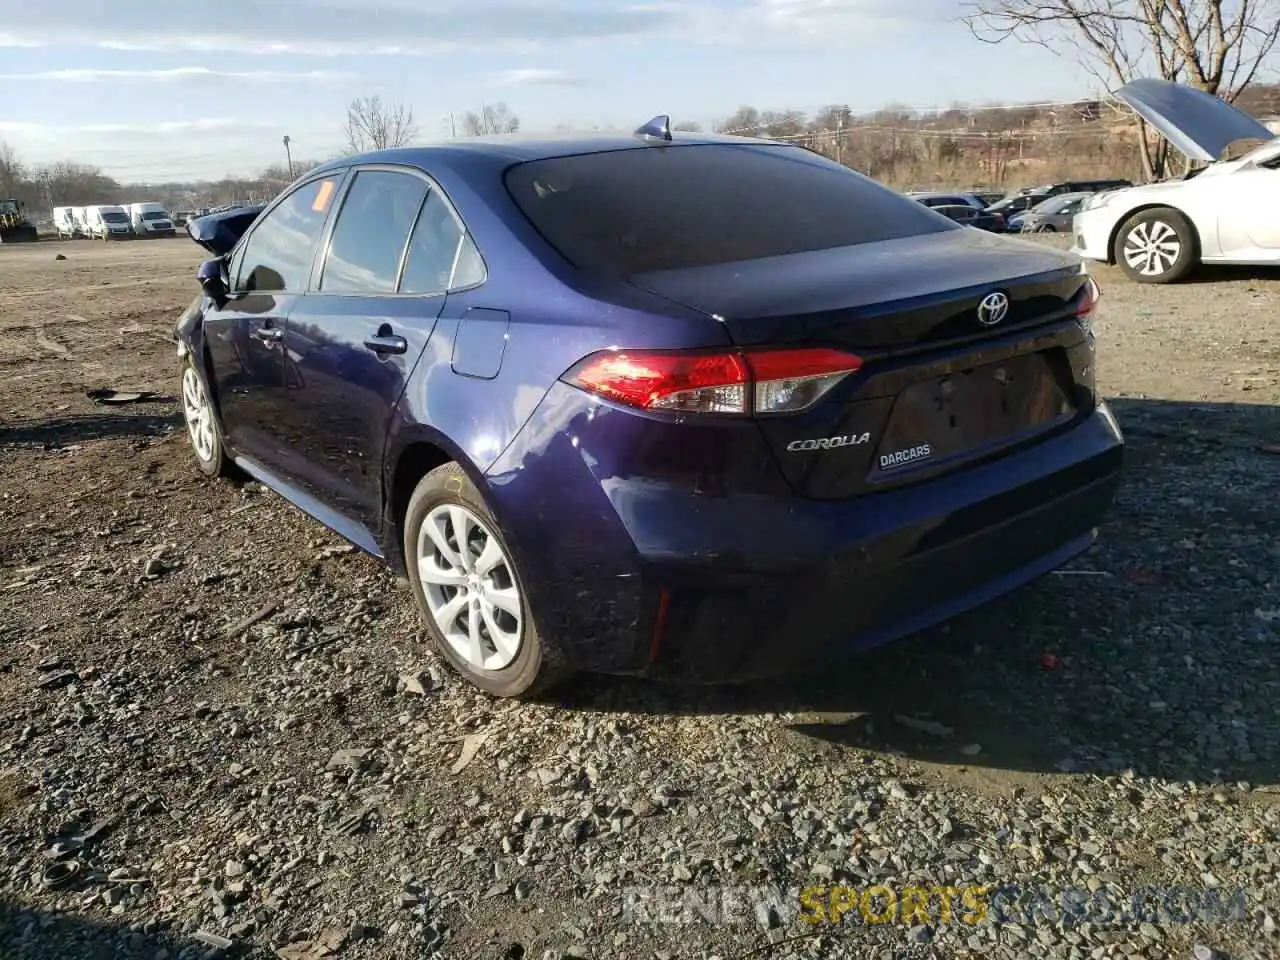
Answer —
(840, 139)
(453, 127)
(288, 154)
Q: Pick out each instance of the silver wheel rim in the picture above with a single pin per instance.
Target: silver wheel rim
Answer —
(1152, 248)
(199, 414)
(470, 587)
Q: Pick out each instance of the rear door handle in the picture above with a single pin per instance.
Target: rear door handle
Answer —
(270, 334)
(385, 344)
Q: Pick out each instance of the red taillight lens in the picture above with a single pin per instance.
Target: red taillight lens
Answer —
(708, 383)
(733, 382)
(1088, 298)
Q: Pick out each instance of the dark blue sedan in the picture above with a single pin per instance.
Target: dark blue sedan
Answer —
(708, 408)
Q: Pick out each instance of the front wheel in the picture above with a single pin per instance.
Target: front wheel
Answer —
(1156, 246)
(203, 429)
(469, 590)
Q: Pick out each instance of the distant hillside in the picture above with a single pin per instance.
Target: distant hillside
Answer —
(991, 145)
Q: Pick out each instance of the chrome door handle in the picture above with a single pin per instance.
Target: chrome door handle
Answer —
(388, 343)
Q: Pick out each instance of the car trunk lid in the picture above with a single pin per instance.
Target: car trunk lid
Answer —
(1194, 122)
(939, 386)
(219, 232)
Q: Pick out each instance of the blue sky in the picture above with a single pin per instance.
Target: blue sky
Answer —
(173, 89)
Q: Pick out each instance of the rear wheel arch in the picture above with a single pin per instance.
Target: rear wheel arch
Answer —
(1129, 214)
(414, 462)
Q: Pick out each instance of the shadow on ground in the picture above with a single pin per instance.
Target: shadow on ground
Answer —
(98, 426)
(1213, 273)
(1156, 651)
(30, 933)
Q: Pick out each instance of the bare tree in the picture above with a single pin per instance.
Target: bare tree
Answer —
(491, 118)
(374, 125)
(77, 183)
(1215, 45)
(783, 123)
(745, 121)
(12, 173)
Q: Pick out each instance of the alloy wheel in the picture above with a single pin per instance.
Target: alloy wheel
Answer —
(470, 587)
(199, 415)
(1151, 248)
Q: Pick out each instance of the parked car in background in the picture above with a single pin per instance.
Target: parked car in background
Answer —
(934, 199)
(1049, 216)
(1078, 186)
(150, 219)
(783, 414)
(1224, 213)
(66, 223)
(972, 217)
(1015, 204)
(107, 221)
(988, 197)
(1029, 197)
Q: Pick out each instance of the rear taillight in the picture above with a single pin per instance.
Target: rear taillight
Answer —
(1088, 298)
(730, 382)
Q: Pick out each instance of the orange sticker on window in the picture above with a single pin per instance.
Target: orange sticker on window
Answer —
(323, 197)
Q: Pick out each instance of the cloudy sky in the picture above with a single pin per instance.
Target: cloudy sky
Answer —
(175, 89)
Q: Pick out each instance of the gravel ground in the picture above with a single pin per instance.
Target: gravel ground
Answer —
(228, 720)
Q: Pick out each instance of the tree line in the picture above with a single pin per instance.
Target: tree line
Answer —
(1223, 47)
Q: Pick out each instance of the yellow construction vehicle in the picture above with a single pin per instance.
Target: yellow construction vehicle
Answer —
(14, 225)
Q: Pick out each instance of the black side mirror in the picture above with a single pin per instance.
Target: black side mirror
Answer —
(213, 282)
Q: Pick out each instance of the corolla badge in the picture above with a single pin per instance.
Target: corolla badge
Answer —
(829, 443)
(993, 308)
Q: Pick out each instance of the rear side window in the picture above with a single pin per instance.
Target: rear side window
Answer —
(278, 254)
(371, 232)
(433, 250)
(670, 208)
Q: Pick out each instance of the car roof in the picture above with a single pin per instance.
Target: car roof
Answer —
(507, 149)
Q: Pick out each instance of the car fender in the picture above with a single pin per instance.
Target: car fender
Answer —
(1148, 204)
(189, 333)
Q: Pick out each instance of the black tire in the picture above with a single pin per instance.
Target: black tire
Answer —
(213, 460)
(1177, 249)
(537, 665)
(1048, 228)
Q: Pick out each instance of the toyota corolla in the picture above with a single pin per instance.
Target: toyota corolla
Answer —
(707, 407)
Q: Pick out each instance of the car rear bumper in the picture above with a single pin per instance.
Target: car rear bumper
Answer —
(1091, 234)
(663, 581)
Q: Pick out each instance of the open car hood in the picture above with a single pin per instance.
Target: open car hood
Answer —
(1194, 122)
(219, 232)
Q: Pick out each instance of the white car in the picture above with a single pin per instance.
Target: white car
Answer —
(1229, 212)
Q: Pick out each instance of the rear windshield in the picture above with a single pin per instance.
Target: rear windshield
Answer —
(628, 212)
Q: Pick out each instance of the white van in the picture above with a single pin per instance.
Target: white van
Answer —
(106, 221)
(81, 217)
(65, 222)
(150, 220)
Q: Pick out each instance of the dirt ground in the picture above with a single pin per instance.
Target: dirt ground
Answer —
(1118, 720)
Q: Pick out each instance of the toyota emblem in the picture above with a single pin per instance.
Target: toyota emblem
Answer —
(993, 308)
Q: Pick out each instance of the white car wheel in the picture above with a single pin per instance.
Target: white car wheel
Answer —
(1156, 246)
